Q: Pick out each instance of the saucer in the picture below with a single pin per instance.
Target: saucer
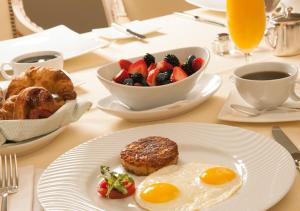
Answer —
(277, 115)
(206, 86)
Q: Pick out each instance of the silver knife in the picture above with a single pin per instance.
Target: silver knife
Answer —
(127, 31)
(198, 18)
(282, 139)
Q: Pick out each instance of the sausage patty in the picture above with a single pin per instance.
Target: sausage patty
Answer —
(147, 155)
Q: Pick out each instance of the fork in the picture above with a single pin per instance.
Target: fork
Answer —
(9, 179)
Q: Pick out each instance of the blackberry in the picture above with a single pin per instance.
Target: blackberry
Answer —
(187, 69)
(149, 59)
(137, 77)
(144, 82)
(169, 72)
(172, 59)
(128, 81)
(190, 60)
(162, 78)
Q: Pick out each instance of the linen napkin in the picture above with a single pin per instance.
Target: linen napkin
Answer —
(20, 130)
(25, 199)
(141, 27)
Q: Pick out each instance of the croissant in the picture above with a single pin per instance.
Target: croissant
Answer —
(54, 80)
(30, 103)
(35, 103)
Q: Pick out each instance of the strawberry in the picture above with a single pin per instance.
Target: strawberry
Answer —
(178, 74)
(121, 76)
(197, 63)
(151, 66)
(164, 66)
(139, 67)
(151, 79)
(124, 64)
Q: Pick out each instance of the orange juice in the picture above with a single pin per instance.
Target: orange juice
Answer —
(246, 22)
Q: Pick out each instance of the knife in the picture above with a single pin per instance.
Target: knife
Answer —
(282, 139)
(198, 18)
(127, 31)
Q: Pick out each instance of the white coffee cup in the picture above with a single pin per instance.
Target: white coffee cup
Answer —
(266, 94)
(21, 63)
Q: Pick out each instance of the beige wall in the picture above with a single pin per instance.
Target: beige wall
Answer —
(143, 9)
(79, 15)
(5, 29)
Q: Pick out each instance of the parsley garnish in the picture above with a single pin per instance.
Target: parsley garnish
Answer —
(114, 180)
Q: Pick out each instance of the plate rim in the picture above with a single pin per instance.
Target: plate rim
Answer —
(268, 205)
(97, 43)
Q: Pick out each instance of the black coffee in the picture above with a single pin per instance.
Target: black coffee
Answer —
(265, 75)
(35, 59)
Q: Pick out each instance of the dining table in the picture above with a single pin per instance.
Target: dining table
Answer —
(174, 32)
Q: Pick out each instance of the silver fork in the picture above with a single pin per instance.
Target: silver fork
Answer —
(9, 179)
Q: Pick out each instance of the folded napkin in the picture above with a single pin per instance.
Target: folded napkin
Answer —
(20, 130)
(141, 27)
(25, 199)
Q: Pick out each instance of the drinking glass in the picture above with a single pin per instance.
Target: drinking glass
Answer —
(246, 22)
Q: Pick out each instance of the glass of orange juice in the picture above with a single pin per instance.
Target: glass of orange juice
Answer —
(246, 22)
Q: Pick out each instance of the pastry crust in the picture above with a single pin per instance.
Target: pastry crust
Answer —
(54, 80)
(30, 103)
(147, 155)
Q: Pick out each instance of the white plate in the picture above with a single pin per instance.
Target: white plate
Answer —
(207, 85)
(228, 114)
(267, 169)
(59, 38)
(30, 145)
(216, 5)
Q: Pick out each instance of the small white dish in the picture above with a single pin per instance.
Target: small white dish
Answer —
(206, 86)
(30, 145)
(266, 168)
(215, 5)
(277, 115)
(60, 38)
(141, 27)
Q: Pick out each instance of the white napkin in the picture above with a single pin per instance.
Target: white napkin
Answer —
(19, 130)
(141, 27)
(25, 199)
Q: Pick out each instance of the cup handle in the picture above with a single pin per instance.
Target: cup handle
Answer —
(293, 93)
(3, 72)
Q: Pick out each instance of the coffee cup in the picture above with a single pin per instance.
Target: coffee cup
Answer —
(266, 85)
(23, 62)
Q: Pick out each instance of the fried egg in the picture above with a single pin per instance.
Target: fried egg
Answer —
(191, 186)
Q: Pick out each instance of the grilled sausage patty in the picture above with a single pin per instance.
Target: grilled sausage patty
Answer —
(147, 155)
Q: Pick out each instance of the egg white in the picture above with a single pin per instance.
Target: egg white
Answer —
(194, 194)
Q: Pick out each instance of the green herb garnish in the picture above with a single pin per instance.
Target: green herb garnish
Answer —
(114, 180)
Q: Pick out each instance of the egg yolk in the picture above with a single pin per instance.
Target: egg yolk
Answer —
(217, 176)
(159, 193)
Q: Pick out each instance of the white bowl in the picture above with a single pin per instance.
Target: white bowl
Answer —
(142, 98)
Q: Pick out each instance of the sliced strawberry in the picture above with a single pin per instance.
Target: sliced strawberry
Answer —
(139, 67)
(178, 74)
(197, 63)
(164, 66)
(151, 79)
(121, 76)
(124, 64)
(151, 66)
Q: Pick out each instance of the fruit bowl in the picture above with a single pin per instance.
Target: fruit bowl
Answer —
(142, 98)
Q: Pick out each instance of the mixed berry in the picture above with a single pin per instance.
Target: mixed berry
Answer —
(148, 72)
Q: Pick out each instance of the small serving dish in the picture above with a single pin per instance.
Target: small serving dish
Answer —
(142, 98)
